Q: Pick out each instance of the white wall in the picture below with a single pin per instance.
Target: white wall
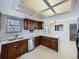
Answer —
(24, 33)
(8, 7)
(68, 47)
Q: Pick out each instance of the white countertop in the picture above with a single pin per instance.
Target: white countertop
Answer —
(8, 39)
(50, 36)
(12, 39)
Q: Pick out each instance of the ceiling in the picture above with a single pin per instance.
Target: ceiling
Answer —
(44, 8)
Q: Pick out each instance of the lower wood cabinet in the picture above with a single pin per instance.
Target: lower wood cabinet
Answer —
(47, 41)
(37, 41)
(14, 50)
(54, 44)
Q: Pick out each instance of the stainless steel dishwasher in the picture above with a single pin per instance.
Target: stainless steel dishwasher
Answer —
(31, 44)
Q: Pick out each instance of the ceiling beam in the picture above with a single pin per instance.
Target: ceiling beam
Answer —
(48, 4)
(51, 6)
(59, 3)
(56, 5)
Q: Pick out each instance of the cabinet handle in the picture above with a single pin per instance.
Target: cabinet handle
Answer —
(15, 46)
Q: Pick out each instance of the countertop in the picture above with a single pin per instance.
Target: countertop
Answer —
(12, 39)
(8, 39)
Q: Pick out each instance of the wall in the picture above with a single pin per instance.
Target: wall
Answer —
(8, 7)
(67, 47)
(24, 33)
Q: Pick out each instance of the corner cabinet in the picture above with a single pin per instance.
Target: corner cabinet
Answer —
(49, 42)
(32, 24)
(14, 50)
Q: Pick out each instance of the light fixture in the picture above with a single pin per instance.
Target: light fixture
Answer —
(53, 2)
(48, 13)
(36, 5)
(64, 7)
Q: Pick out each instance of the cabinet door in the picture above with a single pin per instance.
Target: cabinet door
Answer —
(36, 25)
(43, 40)
(33, 24)
(4, 52)
(27, 24)
(54, 44)
(47, 42)
(12, 52)
(40, 25)
(23, 47)
(9, 51)
(37, 41)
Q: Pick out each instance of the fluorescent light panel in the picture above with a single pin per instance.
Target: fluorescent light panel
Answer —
(37, 5)
(64, 7)
(53, 2)
(48, 13)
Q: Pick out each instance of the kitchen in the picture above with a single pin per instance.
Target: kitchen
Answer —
(23, 36)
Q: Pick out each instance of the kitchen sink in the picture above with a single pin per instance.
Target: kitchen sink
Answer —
(15, 39)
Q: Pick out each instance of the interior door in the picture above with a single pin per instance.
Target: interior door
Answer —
(73, 31)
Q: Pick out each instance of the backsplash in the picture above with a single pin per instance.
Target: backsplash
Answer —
(24, 33)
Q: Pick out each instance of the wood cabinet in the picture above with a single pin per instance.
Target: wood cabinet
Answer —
(27, 24)
(42, 40)
(37, 41)
(31, 24)
(45, 41)
(23, 47)
(54, 44)
(40, 25)
(14, 50)
(49, 42)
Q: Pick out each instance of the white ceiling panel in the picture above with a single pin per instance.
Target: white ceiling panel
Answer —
(53, 2)
(48, 13)
(41, 9)
(64, 7)
(36, 5)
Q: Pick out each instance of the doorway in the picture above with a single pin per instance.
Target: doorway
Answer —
(73, 31)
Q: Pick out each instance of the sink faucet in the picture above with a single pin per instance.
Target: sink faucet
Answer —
(16, 36)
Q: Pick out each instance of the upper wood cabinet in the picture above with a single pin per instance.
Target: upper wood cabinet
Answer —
(31, 24)
(40, 25)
